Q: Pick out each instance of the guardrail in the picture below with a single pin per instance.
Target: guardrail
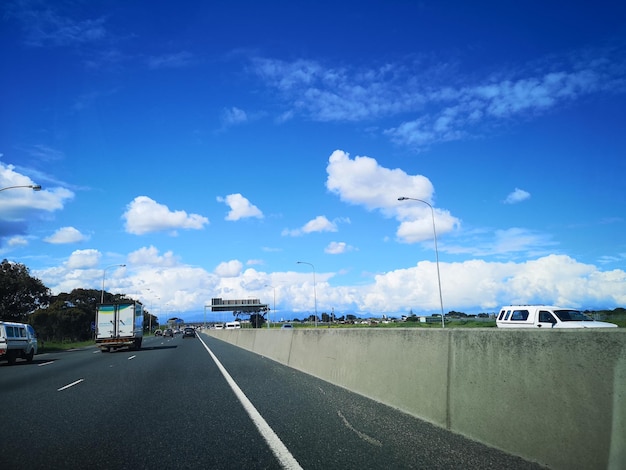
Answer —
(554, 397)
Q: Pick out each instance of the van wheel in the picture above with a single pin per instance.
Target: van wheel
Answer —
(29, 356)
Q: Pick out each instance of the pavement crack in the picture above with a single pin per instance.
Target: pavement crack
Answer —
(363, 436)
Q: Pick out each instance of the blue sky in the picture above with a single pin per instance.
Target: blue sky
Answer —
(210, 146)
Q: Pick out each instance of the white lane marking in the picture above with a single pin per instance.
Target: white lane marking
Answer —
(46, 363)
(132, 357)
(70, 385)
(279, 449)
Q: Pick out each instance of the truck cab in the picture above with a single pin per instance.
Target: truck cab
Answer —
(547, 317)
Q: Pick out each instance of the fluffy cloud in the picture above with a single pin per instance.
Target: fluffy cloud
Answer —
(81, 259)
(66, 235)
(21, 203)
(472, 286)
(516, 196)
(363, 181)
(337, 248)
(240, 207)
(231, 268)
(318, 224)
(144, 215)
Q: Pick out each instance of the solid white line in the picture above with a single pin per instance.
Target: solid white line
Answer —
(279, 449)
(70, 385)
(46, 363)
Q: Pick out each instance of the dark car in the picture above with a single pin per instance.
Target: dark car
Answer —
(168, 332)
(189, 333)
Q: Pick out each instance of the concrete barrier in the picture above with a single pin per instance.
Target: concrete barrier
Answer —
(555, 397)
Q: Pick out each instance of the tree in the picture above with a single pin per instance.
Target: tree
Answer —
(257, 320)
(69, 316)
(20, 293)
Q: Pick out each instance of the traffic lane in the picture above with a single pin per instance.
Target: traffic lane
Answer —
(325, 426)
(59, 400)
(190, 416)
(53, 370)
(158, 407)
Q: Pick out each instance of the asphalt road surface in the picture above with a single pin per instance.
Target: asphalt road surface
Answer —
(201, 403)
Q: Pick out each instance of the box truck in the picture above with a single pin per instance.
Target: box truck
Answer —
(119, 325)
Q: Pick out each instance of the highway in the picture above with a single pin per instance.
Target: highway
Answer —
(202, 403)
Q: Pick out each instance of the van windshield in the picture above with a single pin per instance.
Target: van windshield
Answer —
(572, 315)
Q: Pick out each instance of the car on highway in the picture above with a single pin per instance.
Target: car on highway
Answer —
(17, 340)
(168, 332)
(545, 316)
(286, 326)
(189, 332)
(158, 333)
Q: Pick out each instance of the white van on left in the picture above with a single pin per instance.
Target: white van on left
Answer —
(17, 340)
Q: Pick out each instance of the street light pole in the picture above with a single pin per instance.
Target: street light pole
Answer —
(314, 288)
(34, 187)
(103, 273)
(432, 213)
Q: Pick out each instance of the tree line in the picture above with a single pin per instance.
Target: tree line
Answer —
(62, 317)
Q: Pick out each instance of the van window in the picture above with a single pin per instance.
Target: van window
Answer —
(10, 332)
(520, 315)
(501, 315)
(508, 312)
(546, 317)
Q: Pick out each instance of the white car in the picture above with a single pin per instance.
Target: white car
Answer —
(17, 340)
(545, 316)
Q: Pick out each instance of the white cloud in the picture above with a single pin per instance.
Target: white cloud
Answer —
(82, 259)
(231, 268)
(471, 286)
(144, 215)
(363, 181)
(318, 224)
(21, 203)
(516, 196)
(439, 108)
(17, 241)
(337, 248)
(66, 235)
(149, 256)
(240, 207)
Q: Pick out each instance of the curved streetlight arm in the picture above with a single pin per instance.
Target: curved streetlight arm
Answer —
(432, 213)
(103, 273)
(34, 187)
(314, 288)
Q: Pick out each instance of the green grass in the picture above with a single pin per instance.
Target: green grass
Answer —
(51, 346)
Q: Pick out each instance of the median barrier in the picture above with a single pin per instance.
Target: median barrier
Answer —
(553, 397)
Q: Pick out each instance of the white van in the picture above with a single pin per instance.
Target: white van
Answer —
(544, 316)
(17, 340)
(233, 325)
